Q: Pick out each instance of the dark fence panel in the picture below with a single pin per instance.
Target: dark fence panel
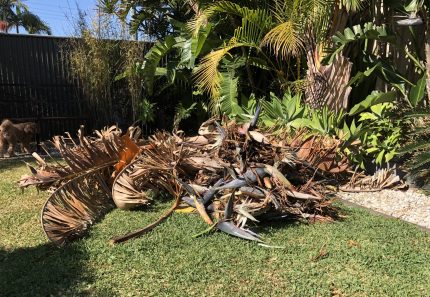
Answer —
(35, 84)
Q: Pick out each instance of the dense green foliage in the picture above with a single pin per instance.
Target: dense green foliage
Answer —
(229, 56)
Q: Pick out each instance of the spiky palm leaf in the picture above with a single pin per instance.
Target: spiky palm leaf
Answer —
(34, 24)
(354, 5)
(255, 23)
(16, 13)
(259, 16)
(280, 30)
(292, 19)
(284, 39)
(207, 74)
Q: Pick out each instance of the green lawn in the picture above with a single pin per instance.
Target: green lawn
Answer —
(367, 255)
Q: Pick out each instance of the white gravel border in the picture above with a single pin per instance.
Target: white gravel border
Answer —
(411, 205)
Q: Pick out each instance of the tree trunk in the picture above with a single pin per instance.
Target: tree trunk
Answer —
(427, 52)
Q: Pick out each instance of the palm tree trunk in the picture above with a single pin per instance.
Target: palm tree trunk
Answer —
(427, 52)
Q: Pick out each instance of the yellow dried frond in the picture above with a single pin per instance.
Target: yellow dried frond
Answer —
(207, 75)
(284, 40)
(200, 20)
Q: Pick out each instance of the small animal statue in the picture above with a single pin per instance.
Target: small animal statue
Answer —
(11, 134)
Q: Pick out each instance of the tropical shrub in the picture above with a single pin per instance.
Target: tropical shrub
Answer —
(240, 54)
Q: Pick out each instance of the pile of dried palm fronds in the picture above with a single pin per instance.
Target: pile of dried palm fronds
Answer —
(234, 176)
(81, 184)
(383, 178)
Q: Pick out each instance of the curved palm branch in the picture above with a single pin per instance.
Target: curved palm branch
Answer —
(284, 40)
(293, 19)
(255, 23)
(16, 13)
(354, 5)
(207, 75)
(260, 17)
(33, 24)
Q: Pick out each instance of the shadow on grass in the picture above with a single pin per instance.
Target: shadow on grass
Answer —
(11, 164)
(47, 271)
(18, 161)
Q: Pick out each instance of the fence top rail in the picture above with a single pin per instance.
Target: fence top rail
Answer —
(20, 35)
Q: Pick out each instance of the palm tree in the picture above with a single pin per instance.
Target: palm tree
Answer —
(14, 13)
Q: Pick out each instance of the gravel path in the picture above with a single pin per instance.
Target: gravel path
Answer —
(411, 205)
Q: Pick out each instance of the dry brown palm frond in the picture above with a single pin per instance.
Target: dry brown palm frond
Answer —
(380, 180)
(87, 154)
(83, 193)
(153, 170)
(231, 174)
(320, 152)
(126, 192)
(76, 205)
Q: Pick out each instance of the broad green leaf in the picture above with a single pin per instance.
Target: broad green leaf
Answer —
(153, 59)
(228, 95)
(380, 157)
(367, 116)
(375, 98)
(199, 41)
(413, 6)
(416, 93)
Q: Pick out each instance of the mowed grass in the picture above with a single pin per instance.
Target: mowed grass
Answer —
(363, 255)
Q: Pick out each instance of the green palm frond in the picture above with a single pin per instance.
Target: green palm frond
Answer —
(250, 32)
(207, 75)
(421, 162)
(354, 5)
(284, 40)
(33, 24)
(260, 17)
(418, 114)
(419, 145)
(293, 19)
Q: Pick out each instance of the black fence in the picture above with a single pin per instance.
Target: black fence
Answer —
(35, 84)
